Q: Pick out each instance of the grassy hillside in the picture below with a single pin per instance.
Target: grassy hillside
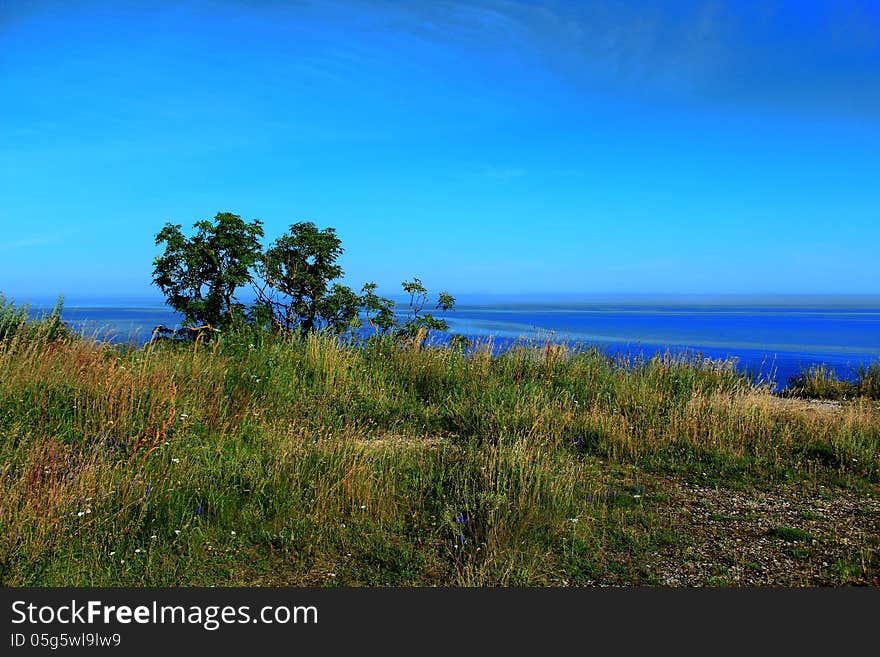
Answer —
(254, 459)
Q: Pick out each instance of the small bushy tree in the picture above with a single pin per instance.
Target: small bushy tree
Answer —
(200, 275)
(416, 319)
(378, 311)
(296, 273)
(294, 280)
(381, 314)
(340, 309)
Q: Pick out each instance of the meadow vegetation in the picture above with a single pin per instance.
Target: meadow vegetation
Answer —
(281, 443)
(258, 457)
(822, 382)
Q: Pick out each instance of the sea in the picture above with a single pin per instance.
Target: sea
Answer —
(770, 338)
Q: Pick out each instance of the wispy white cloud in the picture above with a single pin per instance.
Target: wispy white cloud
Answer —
(795, 56)
(504, 173)
(570, 172)
(27, 242)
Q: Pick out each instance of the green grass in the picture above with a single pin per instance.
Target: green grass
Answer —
(822, 382)
(720, 517)
(256, 459)
(792, 534)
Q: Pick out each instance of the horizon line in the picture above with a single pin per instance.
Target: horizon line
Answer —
(479, 298)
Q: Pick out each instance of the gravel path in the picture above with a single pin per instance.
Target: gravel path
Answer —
(789, 535)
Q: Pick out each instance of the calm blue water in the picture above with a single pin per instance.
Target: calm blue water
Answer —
(775, 340)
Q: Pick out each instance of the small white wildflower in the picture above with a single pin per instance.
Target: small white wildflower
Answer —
(88, 510)
(175, 460)
(183, 416)
(79, 514)
(233, 533)
(574, 519)
(363, 506)
(153, 536)
(138, 551)
(177, 532)
(166, 443)
(112, 553)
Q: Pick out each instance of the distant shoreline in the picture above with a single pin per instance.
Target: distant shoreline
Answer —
(776, 341)
(528, 301)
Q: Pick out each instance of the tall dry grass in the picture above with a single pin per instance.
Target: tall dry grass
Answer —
(259, 459)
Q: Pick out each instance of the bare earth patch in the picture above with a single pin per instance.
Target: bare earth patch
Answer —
(809, 405)
(789, 535)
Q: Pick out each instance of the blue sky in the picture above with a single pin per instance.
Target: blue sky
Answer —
(488, 147)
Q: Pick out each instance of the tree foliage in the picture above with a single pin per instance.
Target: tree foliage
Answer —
(378, 311)
(296, 273)
(417, 321)
(295, 280)
(200, 275)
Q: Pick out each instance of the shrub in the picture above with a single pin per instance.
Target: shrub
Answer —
(868, 381)
(15, 320)
(820, 382)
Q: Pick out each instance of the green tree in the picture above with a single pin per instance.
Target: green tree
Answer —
(381, 315)
(340, 309)
(378, 311)
(296, 273)
(200, 275)
(293, 279)
(417, 321)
